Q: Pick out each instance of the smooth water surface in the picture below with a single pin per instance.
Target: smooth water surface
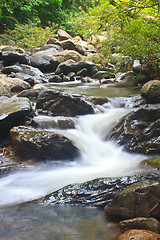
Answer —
(39, 222)
(94, 89)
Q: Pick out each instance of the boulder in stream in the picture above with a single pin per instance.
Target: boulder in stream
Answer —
(140, 131)
(138, 200)
(97, 192)
(56, 103)
(70, 66)
(151, 91)
(40, 144)
(41, 59)
(13, 111)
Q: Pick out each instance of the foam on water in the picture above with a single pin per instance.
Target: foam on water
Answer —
(98, 158)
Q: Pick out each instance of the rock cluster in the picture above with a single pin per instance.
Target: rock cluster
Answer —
(23, 97)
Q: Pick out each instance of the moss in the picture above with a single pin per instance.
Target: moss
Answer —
(153, 162)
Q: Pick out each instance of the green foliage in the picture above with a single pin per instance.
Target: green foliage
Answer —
(28, 36)
(131, 28)
(48, 11)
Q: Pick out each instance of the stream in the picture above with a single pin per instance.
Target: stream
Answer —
(25, 220)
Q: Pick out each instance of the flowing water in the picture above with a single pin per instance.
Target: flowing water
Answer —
(98, 157)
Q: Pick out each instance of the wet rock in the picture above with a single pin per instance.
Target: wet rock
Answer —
(11, 58)
(104, 74)
(151, 91)
(63, 35)
(56, 78)
(139, 235)
(97, 192)
(55, 103)
(63, 56)
(46, 122)
(68, 67)
(41, 59)
(138, 200)
(13, 111)
(33, 143)
(140, 131)
(128, 80)
(152, 162)
(82, 72)
(97, 100)
(141, 223)
(31, 94)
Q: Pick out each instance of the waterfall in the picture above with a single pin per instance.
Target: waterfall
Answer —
(98, 157)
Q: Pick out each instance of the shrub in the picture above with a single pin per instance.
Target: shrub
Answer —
(28, 36)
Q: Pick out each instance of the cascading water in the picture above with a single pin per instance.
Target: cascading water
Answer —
(98, 158)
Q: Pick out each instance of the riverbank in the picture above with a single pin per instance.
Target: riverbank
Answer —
(64, 123)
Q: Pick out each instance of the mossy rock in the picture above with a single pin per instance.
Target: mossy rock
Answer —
(153, 162)
(29, 143)
(151, 91)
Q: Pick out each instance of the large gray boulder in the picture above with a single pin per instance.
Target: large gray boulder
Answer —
(29, 142)
(13, 111)
(41, 59)
(27, 73)
(151, 91)
(68, 66)
(55, 103)
(138, 200)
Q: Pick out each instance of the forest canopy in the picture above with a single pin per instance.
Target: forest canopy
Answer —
(131, 27)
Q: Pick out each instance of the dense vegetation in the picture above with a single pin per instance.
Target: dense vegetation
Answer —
(129, 27)
(43, 11)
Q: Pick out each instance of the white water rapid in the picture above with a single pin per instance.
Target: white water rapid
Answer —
(98, 158)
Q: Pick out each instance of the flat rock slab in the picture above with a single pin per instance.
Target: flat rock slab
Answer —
(97, 192)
